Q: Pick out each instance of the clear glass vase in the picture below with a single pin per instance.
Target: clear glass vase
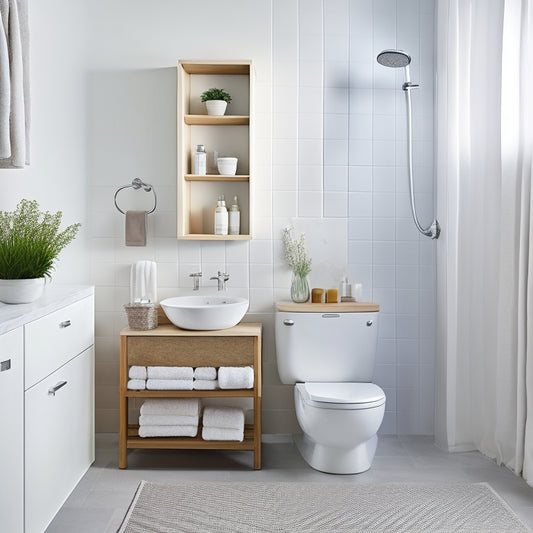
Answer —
(299, 288)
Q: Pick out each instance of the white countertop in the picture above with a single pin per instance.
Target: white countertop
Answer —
(15, 315)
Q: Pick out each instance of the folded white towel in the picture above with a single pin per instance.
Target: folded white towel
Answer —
(168, 420)
(137, 372)
(236, 377)
(223, 417)
(168, 431)
(136, 384)
(222, 434)
(205, 384)
(169, 384)
(205, 372)
(170, 372)
(171, 406)
(143, 281)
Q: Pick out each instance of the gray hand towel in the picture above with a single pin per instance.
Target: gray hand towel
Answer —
(135, 228)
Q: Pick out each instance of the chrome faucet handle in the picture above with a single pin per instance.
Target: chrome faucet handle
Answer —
(221, 277)
(196, 280)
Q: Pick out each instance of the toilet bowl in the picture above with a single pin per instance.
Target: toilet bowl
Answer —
(339, 423)
(329, 357)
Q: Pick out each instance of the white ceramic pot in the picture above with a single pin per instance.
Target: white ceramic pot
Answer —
(227, 165)
(21, 291)
(216, 107)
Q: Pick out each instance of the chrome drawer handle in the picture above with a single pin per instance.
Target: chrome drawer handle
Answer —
(64, 324)
(52, 390)
(288, 322)
(5, 365)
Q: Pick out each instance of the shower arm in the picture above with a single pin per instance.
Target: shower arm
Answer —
(433, 230)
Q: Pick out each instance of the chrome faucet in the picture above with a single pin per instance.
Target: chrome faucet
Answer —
(196, 280)
(221, 278)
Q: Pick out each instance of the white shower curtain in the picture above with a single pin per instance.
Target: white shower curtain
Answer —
(485, 254)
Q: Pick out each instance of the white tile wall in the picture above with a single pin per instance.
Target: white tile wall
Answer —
(384, 247)
(330, 154)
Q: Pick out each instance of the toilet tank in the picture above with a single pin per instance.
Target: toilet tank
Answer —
(327, 345)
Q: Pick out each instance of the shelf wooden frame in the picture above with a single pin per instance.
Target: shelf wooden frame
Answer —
(211, 120)
(215, 177)
(168, 345)
(228, 134)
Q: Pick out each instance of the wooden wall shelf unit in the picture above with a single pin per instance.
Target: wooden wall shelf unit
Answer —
(168, 345)
(229, 135)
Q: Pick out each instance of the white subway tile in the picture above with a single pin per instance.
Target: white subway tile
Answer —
(335, 204)
(310, 203)
(360, 204)
(360, 126)
(360, 178)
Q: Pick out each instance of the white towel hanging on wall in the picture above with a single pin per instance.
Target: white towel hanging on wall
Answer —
(14, 85)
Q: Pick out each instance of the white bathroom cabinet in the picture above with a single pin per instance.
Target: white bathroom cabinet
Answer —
(230, 135)
(12, 441)
(51, 392)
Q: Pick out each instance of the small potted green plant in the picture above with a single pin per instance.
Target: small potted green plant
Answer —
(30, 242)
(216, 101)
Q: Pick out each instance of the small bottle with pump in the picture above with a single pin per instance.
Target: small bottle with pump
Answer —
(200, 160)
(234, 218)
(221, 217)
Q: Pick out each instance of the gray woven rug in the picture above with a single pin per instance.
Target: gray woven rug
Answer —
(319, 507)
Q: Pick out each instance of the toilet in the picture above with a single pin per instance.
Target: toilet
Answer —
(328, 352)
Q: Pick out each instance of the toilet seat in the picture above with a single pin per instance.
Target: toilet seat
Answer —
(341, 395)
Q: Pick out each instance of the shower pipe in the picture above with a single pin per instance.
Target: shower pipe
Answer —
(399, 59)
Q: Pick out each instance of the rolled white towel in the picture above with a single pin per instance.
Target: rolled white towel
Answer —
(222, 434)
(205, 372)
(168, 420)
(170, 372)
(223, 417)
(137, 372)
(236, 377)
(169, 384)
(205, 384)
(136, 384)
(168, 431)
(171, 406)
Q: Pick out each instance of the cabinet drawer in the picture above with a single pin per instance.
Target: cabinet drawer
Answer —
(54, 339)
(59, 438)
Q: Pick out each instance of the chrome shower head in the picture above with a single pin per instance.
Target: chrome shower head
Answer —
(393, 58)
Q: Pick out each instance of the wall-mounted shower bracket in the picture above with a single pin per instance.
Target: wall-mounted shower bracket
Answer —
(408, 86)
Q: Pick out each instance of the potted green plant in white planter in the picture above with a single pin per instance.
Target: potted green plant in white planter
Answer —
(30, 242)
(216, 101)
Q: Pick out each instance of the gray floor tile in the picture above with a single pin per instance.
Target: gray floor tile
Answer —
(101, 499)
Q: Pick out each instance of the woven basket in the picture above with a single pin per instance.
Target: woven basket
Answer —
(141, 315)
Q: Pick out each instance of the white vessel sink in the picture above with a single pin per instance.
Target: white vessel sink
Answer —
(205, 312)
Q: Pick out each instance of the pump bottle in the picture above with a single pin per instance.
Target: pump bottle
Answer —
(221, 217)
(234, 218)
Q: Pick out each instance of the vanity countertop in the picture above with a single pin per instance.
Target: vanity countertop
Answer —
(55, 297)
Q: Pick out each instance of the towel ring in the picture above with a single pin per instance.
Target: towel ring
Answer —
(137, 183)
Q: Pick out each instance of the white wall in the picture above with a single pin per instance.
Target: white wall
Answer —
(104, 93)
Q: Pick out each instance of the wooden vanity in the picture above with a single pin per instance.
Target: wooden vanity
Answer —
(168, 345)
